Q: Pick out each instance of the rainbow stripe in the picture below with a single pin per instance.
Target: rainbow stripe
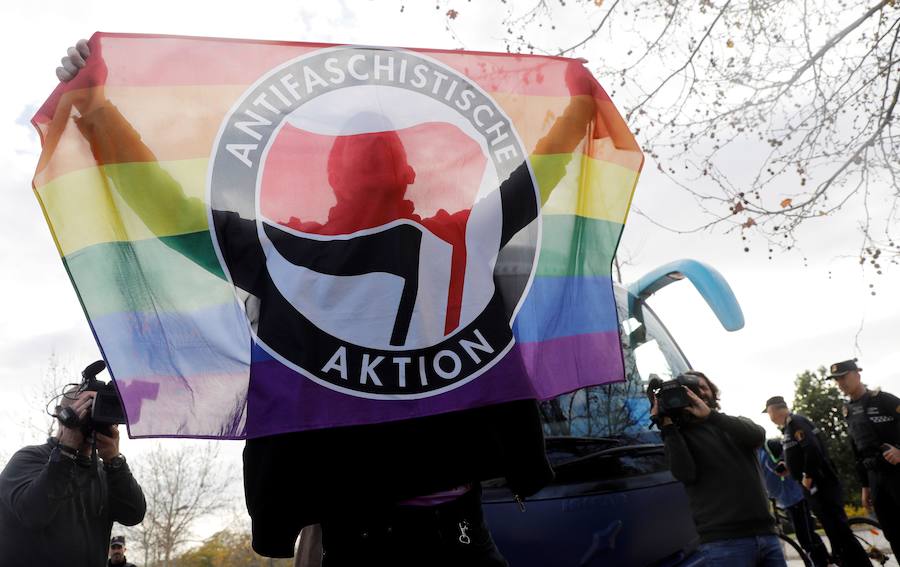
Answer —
(170, 324)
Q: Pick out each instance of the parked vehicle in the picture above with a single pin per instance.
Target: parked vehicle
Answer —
(614, 501)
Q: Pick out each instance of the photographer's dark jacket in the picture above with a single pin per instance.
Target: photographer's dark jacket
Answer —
(716, 460)
(60, 511)
(873, 419)
(805, 452)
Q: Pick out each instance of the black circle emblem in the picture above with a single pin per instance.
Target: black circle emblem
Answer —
(410, 304)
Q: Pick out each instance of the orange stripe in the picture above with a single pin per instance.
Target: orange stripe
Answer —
(181, 122)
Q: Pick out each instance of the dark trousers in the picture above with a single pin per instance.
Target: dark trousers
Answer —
(453, 534)
(885, 487)
(828, 505)
(805, 530)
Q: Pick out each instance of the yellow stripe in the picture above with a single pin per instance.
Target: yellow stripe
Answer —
(84, 207)
(576, 184)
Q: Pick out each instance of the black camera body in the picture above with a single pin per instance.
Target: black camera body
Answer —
(107, 409)
(671, 395)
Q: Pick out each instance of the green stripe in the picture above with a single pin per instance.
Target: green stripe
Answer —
(126, 202)
(149, 275)
(157, 274)
(577, 246)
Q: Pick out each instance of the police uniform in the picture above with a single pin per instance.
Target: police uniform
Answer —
(805, 454)
(873, 421)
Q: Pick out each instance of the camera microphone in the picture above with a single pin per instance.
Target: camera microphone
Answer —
(89, 374)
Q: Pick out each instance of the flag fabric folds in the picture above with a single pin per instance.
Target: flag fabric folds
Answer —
(270, 237)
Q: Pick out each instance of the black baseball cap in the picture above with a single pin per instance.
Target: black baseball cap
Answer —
(117, 540)
(774, 401)
(840, 368)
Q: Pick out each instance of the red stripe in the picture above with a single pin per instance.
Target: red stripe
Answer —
(153, 60)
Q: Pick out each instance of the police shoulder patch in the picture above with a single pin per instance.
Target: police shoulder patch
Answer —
(846, 411)
(898, 409)
(799, 435)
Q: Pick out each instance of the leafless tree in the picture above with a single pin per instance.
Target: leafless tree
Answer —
(771, 113)
(40, 398)
(182, 486)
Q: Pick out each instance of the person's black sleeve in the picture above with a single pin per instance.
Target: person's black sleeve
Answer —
(890, 405)
(809, 448)
(551, 156)
(681, 461)
(154, 195)
(35, 489)
(126, 499)
(744, 432)
(861, 473)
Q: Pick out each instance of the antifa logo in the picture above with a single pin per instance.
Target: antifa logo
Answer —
(364, 203)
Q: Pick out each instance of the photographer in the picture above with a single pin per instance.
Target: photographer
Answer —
(714, 455)
(58, 501)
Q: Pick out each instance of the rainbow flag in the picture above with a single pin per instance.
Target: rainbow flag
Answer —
(270, 237)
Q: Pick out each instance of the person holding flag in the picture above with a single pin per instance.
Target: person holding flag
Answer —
(431, 513)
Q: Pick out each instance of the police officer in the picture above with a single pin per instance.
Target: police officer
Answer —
(117, 553)
(807, 460)
(873, 418)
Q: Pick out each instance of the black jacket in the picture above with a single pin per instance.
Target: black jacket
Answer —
(716, 460)
(60, 511)
(296, 479)
(873, 419)
(805, 452)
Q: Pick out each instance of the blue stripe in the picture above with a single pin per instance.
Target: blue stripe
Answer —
(566, 306)
(213, 340)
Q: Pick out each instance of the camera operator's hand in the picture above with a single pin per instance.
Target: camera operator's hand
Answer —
(108, 446)
(73, 437)
(654, 412)
(698, 407)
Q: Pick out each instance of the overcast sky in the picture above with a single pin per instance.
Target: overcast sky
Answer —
(800, 315)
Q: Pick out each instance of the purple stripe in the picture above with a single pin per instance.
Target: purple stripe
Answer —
(566, 364)
(282, 401)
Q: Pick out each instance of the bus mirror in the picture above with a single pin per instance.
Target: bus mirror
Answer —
(708, 282)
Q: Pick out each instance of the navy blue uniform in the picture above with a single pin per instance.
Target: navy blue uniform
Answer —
(805, 454)
(874, 420)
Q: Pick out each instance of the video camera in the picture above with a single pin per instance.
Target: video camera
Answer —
(671, 395)
(107, 409)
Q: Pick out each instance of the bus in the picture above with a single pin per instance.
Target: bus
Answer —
(613, 501)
